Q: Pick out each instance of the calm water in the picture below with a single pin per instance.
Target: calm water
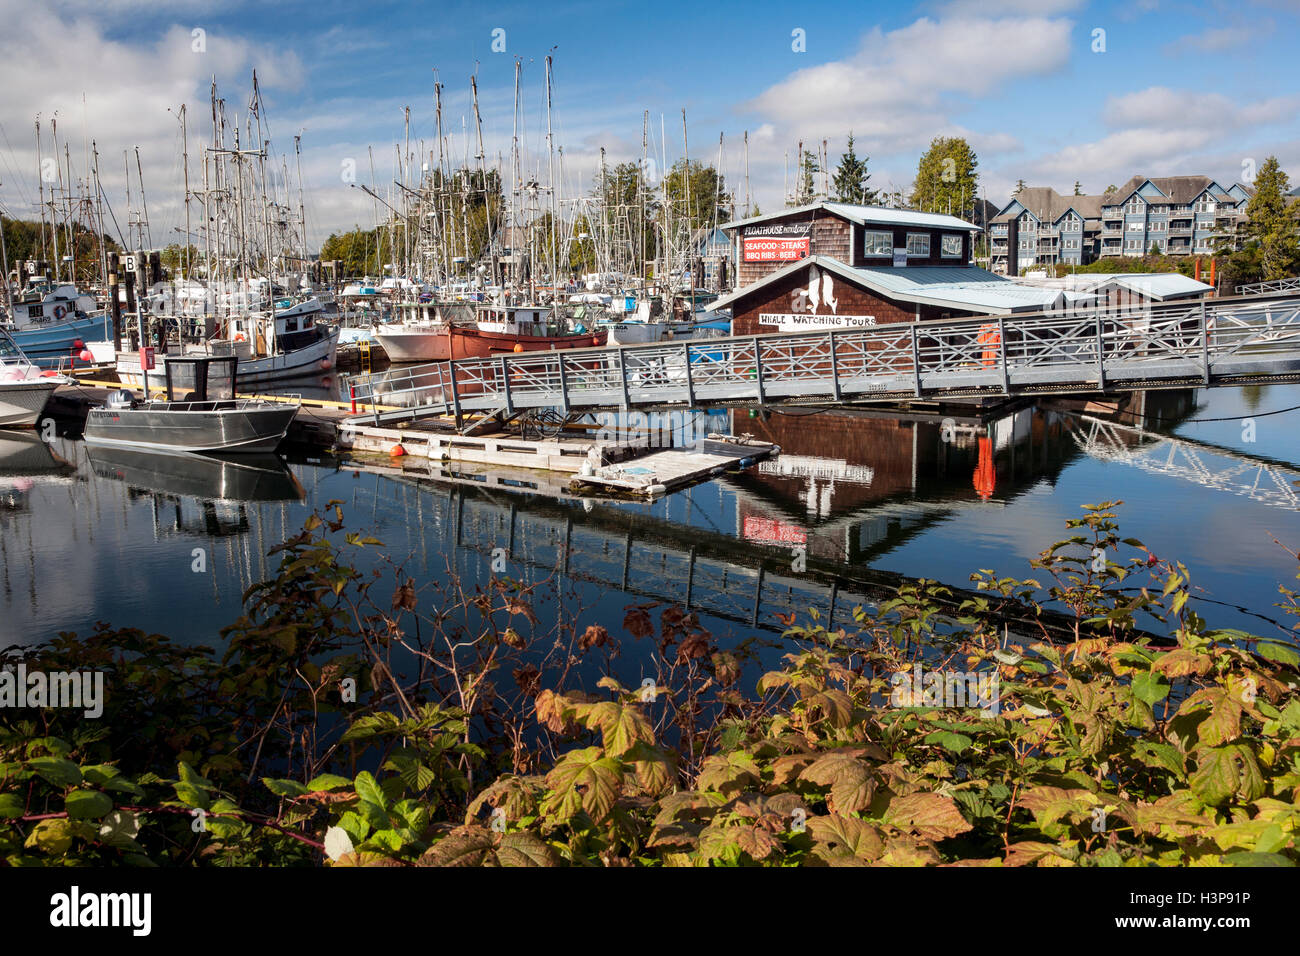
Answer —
(87, 536)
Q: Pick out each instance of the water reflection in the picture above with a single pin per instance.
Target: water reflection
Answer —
(860, 498)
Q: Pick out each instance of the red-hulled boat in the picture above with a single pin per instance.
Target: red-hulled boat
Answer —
(496, 330)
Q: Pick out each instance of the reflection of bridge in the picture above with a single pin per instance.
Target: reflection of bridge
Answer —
(1212, 466)
(692, 567)
(1221, 342)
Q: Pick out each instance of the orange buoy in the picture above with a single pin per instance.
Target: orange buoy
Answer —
(397, 451)
(519, 346)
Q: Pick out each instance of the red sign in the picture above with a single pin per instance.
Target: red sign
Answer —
(772, 531)
(146, 357)
(775, 248)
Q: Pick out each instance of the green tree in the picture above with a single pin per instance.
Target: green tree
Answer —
(1020, 187)
(698, 194)
(946, 177)
(630, 212)
(850, 180)
(1078, 188)
(1271, 221)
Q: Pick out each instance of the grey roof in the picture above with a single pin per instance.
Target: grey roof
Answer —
(1152, 285)
(1048, 205)
(1179, 190)
(968, 288)
(864, 215)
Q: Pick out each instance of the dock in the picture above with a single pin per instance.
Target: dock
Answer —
(581, 465)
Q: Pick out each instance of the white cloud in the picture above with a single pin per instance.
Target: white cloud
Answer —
(1212, 40)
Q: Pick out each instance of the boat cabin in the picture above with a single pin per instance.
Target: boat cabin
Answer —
(515, 320)
(200, 378)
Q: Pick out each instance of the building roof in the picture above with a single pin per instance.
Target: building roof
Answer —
(968, 288)
(863, 215)
(1152, 285)
(1048, 205)
(1179, 190)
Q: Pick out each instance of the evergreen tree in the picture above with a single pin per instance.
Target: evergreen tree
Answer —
(850, 180)
(1020, 187)
(1271, 221)
(1078, 188)
(946, 180)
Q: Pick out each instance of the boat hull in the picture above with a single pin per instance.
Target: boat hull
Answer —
(251, 477)
(232, 430)
(439, 344)
(49, 344)
(21, 403)
(310, 361)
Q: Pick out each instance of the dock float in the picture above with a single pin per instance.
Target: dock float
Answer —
(594, 466)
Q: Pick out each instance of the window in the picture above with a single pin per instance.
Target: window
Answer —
(952, 247)
(918, 244)
(878, 243)
(1135, 207)
(1027, 224)
(1158, 226)
(1136, 226)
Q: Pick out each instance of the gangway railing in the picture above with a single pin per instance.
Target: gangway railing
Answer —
(1205, 344)
(1291, 284)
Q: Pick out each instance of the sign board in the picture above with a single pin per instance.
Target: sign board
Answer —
(794, 322)
(777, 242)
(772, 531)
(128, 263)
(775, 248)
(147, 358)
(900, 258)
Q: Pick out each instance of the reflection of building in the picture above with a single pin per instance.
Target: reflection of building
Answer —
(849, 485)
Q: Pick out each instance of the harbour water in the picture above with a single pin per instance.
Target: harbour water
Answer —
(169, 545)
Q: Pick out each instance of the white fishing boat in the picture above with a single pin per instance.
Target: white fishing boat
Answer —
(24, 387)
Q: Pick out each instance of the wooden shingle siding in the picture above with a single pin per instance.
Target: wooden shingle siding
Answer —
(851, 300)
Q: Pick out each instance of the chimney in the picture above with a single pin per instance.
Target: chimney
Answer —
(1013, 247)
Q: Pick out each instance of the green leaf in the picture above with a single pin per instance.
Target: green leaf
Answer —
(53, 837)
(60, 772)
(949, 740)
(1281, 653)
(1150, 687)
(284, 788)
(583, 780)
(88, 804)
(368, 789)
(328, 781)
(11, 805)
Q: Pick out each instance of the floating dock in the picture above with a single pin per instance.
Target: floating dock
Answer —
(594, 466)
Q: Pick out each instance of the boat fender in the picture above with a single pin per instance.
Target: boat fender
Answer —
(656, 489)
(397, 451)
(325, 365)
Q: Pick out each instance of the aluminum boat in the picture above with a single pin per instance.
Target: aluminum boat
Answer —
(200, 413)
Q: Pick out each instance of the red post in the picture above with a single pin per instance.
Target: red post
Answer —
(352, 394)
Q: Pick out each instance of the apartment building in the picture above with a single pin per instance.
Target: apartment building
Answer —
(1177, 215)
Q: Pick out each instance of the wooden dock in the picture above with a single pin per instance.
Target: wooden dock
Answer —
(594, 466)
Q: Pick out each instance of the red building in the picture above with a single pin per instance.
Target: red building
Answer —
(834, 265)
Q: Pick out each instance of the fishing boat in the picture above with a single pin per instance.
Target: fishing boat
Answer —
(24, 387)
(51, 320)
(207, 417)
(292, 345)
(497, 330)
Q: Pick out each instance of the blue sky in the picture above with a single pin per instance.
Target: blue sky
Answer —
(1179, 88)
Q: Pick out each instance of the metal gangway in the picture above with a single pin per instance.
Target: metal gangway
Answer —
(1220, 342)
(1270, 286)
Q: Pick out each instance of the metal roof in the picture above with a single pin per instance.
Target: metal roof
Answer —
(866, 215)
(961, 287)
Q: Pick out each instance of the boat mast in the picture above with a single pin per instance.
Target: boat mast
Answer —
(550, 176)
